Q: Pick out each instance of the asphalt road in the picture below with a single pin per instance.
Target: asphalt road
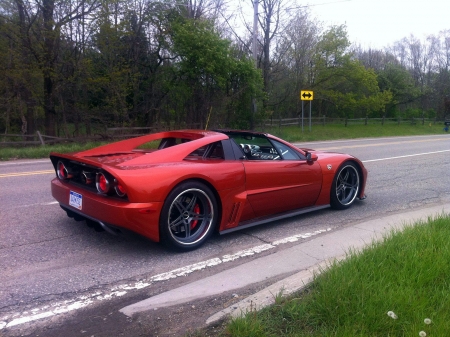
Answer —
(52, 267)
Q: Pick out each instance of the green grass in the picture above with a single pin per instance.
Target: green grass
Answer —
(291, 134)
(33, 152)
(339, 131)
(407, 273)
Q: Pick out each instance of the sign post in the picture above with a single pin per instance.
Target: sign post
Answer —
(307, 95)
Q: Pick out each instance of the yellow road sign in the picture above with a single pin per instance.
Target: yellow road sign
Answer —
(306, 95)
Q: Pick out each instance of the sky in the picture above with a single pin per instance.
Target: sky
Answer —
(379, 23)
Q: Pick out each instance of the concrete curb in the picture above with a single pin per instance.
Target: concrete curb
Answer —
(303, 259)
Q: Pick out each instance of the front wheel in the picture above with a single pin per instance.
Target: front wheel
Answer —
(188, 216)
(345, 186)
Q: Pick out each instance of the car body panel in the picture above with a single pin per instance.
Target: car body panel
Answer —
(247, 191)
(279, 186)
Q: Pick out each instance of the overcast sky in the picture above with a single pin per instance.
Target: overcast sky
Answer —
(379, 23)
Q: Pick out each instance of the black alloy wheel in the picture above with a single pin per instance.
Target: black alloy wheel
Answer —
(189, 216)
(345, 186)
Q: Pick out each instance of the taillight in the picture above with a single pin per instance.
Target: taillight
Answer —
(102, 183)
(62, 171)
(120, 190)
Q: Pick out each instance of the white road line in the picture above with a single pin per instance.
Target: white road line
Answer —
(37, 204)
(58, 308)
(406, 156)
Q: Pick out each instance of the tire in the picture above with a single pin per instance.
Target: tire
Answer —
(345, 187)
(188, 217)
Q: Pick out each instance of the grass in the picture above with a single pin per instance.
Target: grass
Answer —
(34, 152)
(339, 131)
(407, 274)
(291, 134)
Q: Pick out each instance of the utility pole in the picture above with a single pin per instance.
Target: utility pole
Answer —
(255, 31)
(255, 57)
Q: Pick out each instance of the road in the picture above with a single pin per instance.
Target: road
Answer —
(54, 268)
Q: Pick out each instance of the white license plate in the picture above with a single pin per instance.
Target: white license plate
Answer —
(76, 200)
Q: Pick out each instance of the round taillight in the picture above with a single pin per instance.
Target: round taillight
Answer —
(120, 190)
(62, 171)
(102, 183)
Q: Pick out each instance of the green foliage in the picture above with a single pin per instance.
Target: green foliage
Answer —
(204, 55)
(399, 82)
(210, 69)
(344, 85)
(122, 63)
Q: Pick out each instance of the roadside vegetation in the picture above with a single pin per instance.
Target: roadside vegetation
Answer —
(291, 134)
(104, 64)
(395, 287)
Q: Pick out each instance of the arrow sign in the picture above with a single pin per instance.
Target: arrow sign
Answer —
(306, 95)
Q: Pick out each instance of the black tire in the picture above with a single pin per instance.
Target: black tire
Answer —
(188, 217)
(345, 187)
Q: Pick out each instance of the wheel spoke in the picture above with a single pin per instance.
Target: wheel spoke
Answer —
(178, 203)
(187, 229)
(179, 221)
(191, 205)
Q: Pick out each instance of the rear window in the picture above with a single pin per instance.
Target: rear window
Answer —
(210, 151)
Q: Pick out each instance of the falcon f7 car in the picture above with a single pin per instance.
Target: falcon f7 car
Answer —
(178, 187)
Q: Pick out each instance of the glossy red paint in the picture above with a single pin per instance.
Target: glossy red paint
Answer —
(188, 183)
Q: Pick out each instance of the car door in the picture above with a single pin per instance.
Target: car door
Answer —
(281, 184)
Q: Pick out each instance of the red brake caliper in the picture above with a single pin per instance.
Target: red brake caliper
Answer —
(196, 211)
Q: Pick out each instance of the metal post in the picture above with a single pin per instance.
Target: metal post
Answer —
(302, 114)
(310, 105)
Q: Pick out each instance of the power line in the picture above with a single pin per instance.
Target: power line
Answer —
(322, 4)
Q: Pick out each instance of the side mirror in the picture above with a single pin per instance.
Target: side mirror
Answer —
(311, 156)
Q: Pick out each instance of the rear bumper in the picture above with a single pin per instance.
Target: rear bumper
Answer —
(142, 218)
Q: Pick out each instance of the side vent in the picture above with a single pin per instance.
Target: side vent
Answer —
(234, 212)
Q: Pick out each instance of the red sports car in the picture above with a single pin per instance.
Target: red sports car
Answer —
(179, 186)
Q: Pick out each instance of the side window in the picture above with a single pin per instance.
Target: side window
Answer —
(199, 153)
(215, 151)
(286, 152)
(211, 151)
(256, 147)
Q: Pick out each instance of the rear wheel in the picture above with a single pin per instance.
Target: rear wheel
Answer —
(188, 216)
(345, 186)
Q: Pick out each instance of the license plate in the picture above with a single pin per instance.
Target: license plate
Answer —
(76, 200)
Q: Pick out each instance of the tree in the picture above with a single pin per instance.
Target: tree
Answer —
(344, 86)
(40, 24)
(293, 55)
(208, 69)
